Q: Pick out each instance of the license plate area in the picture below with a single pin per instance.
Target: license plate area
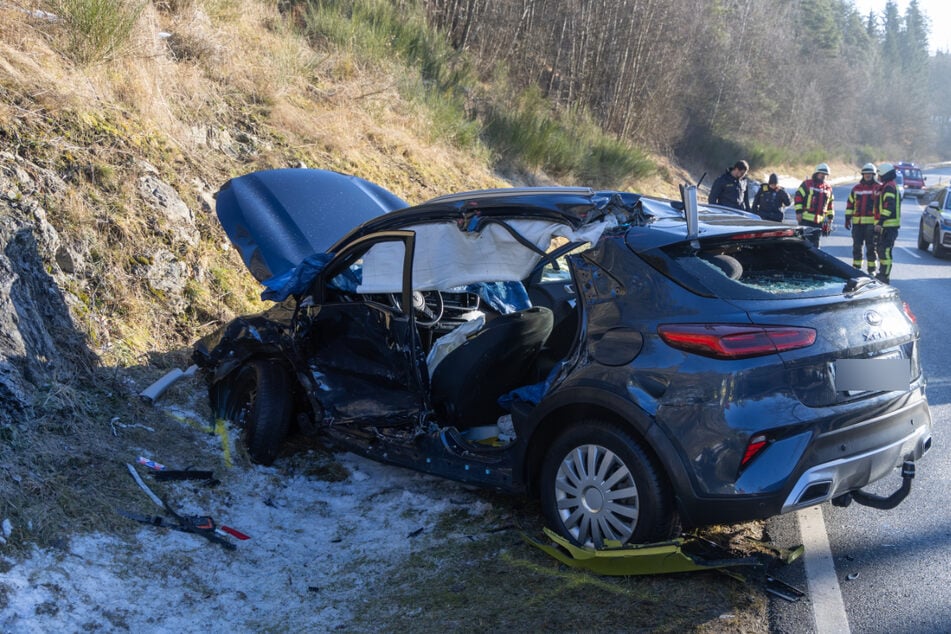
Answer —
(885, 373)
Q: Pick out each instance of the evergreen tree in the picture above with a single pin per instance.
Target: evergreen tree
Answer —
(891, 36)
(914, 42)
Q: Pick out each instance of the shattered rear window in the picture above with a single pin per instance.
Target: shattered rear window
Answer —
(757, 269)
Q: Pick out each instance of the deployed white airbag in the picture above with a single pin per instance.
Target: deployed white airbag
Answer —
(447, 257)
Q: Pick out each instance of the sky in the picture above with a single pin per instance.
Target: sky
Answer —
(937, 11)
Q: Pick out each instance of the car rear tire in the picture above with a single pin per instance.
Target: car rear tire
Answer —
(922, 243)
(598, 483)
(257, 400)
(939, 250)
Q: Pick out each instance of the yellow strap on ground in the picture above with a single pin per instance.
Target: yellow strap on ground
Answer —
(221, 430)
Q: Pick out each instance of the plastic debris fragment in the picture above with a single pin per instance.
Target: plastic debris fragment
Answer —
(647, 559)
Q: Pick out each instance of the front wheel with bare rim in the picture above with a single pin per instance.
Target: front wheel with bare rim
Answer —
(598, 484)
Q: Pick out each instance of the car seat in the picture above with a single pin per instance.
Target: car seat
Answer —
(493, 361)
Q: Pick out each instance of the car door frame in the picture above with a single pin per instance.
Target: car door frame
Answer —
(401, 328)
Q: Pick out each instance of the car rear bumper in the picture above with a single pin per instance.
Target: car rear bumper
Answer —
(832, 479)
(844, 460)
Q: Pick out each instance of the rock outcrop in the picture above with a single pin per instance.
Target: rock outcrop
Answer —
(39, 343)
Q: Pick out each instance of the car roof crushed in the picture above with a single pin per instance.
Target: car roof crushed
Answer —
(287, 224)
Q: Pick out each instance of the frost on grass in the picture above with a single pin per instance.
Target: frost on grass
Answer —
(316, 547)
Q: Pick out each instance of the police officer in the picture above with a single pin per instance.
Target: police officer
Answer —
(861, 212)
(731, 189)
(770, 200)
(889, 219)
(813, 203)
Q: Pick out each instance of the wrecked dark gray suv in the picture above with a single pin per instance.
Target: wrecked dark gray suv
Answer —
(631, 361)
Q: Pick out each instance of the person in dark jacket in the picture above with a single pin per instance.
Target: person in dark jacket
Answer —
(770, 200)
(731, 189)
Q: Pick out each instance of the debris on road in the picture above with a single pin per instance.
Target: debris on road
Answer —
(153, 392)
(647, 559)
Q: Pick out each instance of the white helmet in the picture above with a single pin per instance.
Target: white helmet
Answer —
(822, 168)
(885, 168)
(869, 168)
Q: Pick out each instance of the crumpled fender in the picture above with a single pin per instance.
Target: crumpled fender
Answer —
(223, 351)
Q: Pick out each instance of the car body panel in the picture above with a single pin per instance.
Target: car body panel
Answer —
(612, 268)
(936, 222)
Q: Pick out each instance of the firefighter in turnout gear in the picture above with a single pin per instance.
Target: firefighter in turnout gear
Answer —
(813, 203)
(889, 219)
(861, 212)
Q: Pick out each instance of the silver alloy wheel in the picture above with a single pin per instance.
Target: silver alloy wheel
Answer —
(596, 496)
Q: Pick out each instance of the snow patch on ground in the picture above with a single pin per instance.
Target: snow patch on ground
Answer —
(315, 547)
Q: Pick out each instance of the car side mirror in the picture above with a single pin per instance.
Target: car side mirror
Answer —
(933, 204)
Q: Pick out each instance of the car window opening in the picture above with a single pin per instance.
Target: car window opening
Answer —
(758, 269)
(454, 321)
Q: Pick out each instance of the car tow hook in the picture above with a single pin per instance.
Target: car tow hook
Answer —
(881, 502)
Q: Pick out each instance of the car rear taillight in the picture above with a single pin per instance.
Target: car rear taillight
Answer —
(757, 444)
(727, 341)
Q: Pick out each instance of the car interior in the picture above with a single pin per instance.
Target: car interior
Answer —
(495, 360)
(523, 329)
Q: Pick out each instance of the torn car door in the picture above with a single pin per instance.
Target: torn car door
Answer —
(363, 355)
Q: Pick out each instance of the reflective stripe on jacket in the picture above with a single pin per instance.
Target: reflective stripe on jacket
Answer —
(814, 201)
(862, 205)
(889, 205)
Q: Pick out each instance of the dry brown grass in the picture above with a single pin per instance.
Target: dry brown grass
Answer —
(233, 70)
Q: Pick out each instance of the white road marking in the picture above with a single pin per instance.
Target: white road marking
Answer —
(910, 252)
(824, 592)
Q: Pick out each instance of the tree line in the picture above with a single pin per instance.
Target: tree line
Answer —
(779, 81)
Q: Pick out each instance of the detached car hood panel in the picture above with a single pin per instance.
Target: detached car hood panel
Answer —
(277, 218)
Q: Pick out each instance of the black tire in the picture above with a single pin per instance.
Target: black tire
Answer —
(939, 250)
(922, 243)
(257, 400)
(574, 496)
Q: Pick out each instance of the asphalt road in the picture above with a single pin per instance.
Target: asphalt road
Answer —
(893, 567)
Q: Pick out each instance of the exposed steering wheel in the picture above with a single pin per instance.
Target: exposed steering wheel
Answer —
(428, 306)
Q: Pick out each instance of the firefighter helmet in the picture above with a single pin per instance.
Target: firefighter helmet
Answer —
(885, 168)
(822, 168)
(869, 168)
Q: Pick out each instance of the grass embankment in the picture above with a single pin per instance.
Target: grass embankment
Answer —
(197, 91)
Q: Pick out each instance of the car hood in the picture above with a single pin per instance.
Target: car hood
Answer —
(278, 218)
